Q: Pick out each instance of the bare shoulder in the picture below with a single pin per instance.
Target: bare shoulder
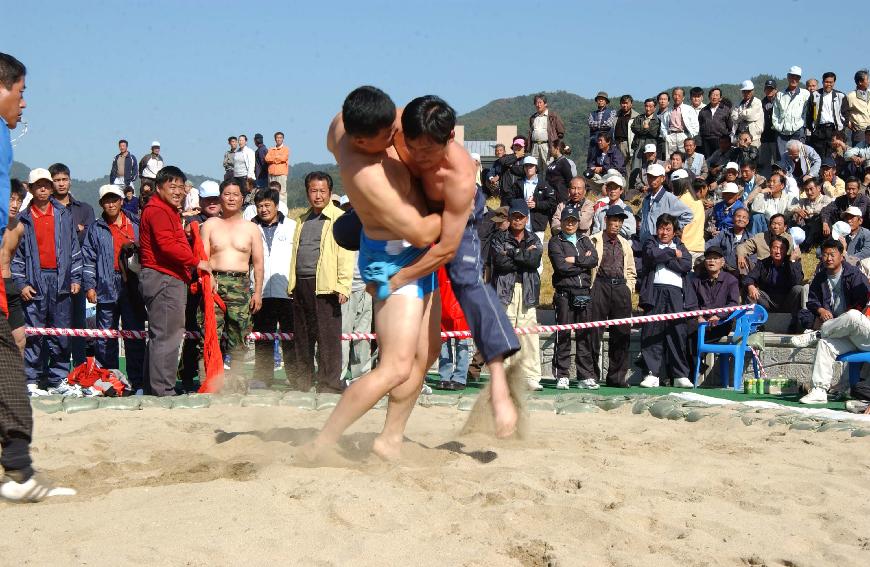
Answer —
(212, 223)
(335, 133)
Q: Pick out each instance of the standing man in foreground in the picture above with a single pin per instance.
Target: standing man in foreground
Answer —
(447, 173)
(167, 261)
(20, 482)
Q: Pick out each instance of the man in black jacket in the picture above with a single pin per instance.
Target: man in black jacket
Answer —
(714, 121)
(776, 283)
(508, 168)
(573, 257)
(538, 195)
(516, 256)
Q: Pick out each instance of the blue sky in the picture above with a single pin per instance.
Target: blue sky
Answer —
(191, 73)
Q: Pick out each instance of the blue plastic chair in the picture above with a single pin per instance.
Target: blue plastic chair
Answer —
(746, 322)
(853, 360)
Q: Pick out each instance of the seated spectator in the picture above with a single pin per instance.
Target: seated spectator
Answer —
(676, 162)
(573, 257)
(800, 161)
(836, 302)
(538, 195)
(792, 187)
(744, 152)
(714, 288)
(692, 234)
(807, 214)
(695, 162)
(832, 185)
(851, 198)
(749, 180)
(104, 286)
(659, 201)
(665, 288)
(455, 353)
(717, 160)
(637, 182)
(576, 200)
(776, 282)
(728, 239)
(612, 283)
(702, 191)
(857, 242)
(613, 197)
(605, 157)
(191, 200)
(723, 211)
(516, 255)
(757, 248)
(767, 200)
(729, 175)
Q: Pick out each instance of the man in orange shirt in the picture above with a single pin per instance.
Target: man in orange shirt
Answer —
(278, 159)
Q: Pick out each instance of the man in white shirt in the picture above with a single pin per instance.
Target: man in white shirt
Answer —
(244, 164)
(152, 163)
(826, 115)
(769, 200)
(790, 111)
(681, 123)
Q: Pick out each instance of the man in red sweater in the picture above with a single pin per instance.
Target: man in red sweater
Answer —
(167, 261)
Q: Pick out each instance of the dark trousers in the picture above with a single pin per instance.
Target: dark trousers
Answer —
(709, 146)
(821, 138)
(106, 350)
(164, 298)
(782, 302)
(191, 349)
(813, 230)
(317, 320)
(78, 345)
(46, 359)
(663, 344)
(490, 327)
(16, 415)
(611, 301)
(276, 314)
(583, 358)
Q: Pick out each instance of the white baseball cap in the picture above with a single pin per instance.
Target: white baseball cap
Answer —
(795, 70)
(656, 170)
(840, 229)
(649, 149)
(209, 188)
(679, 174)
(797, 235)
(529, 160)
(475, 156)
(732, 165)
(730, 188)
(38, 174)
(615, 178)
(343, 200)
(853, 211)
(111, 190)
(155, 144)
(747, 86)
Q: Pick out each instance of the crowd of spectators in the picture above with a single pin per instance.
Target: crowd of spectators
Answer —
(685, 204)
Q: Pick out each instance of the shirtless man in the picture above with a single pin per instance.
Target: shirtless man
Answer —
(396, 229)
(233, 244)
(11, 238)
(447, 173)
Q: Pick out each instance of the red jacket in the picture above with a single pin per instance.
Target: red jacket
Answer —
(452, 317)
(163, 245)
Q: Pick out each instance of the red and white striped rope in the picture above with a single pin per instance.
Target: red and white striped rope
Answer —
(640, 320)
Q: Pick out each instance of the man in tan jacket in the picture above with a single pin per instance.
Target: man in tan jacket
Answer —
(612, 283)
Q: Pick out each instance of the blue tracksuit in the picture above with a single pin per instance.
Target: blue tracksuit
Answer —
(490, 327)
(47, 358)
(113, 302)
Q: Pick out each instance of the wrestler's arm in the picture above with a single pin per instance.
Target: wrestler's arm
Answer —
(453, 221)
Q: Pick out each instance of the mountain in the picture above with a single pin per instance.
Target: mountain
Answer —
(88, 191)
(574, 109)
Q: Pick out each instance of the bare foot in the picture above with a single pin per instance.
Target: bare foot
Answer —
(506, 417)
(315, 454)
(386, 448)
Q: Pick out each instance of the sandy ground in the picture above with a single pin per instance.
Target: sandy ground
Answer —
(222, 486)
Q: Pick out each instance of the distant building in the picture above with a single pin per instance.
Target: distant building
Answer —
(504, 134)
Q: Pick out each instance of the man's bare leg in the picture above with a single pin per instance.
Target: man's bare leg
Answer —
(503, 395)
(403, 397)
(397, 322)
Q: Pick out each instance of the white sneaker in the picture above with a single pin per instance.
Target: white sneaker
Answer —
(650, 381)
(588, 384)
(534, 385)
(33, 390)
(33, 489)
(683, 383)
(64, 389)
(857, 406)
(563, 384)
(816, 396)
(808, 338)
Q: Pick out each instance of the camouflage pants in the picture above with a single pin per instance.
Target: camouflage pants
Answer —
(235, 324)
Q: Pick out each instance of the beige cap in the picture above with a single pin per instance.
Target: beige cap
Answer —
(111, 190)
(38, 174)
(730, 188)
